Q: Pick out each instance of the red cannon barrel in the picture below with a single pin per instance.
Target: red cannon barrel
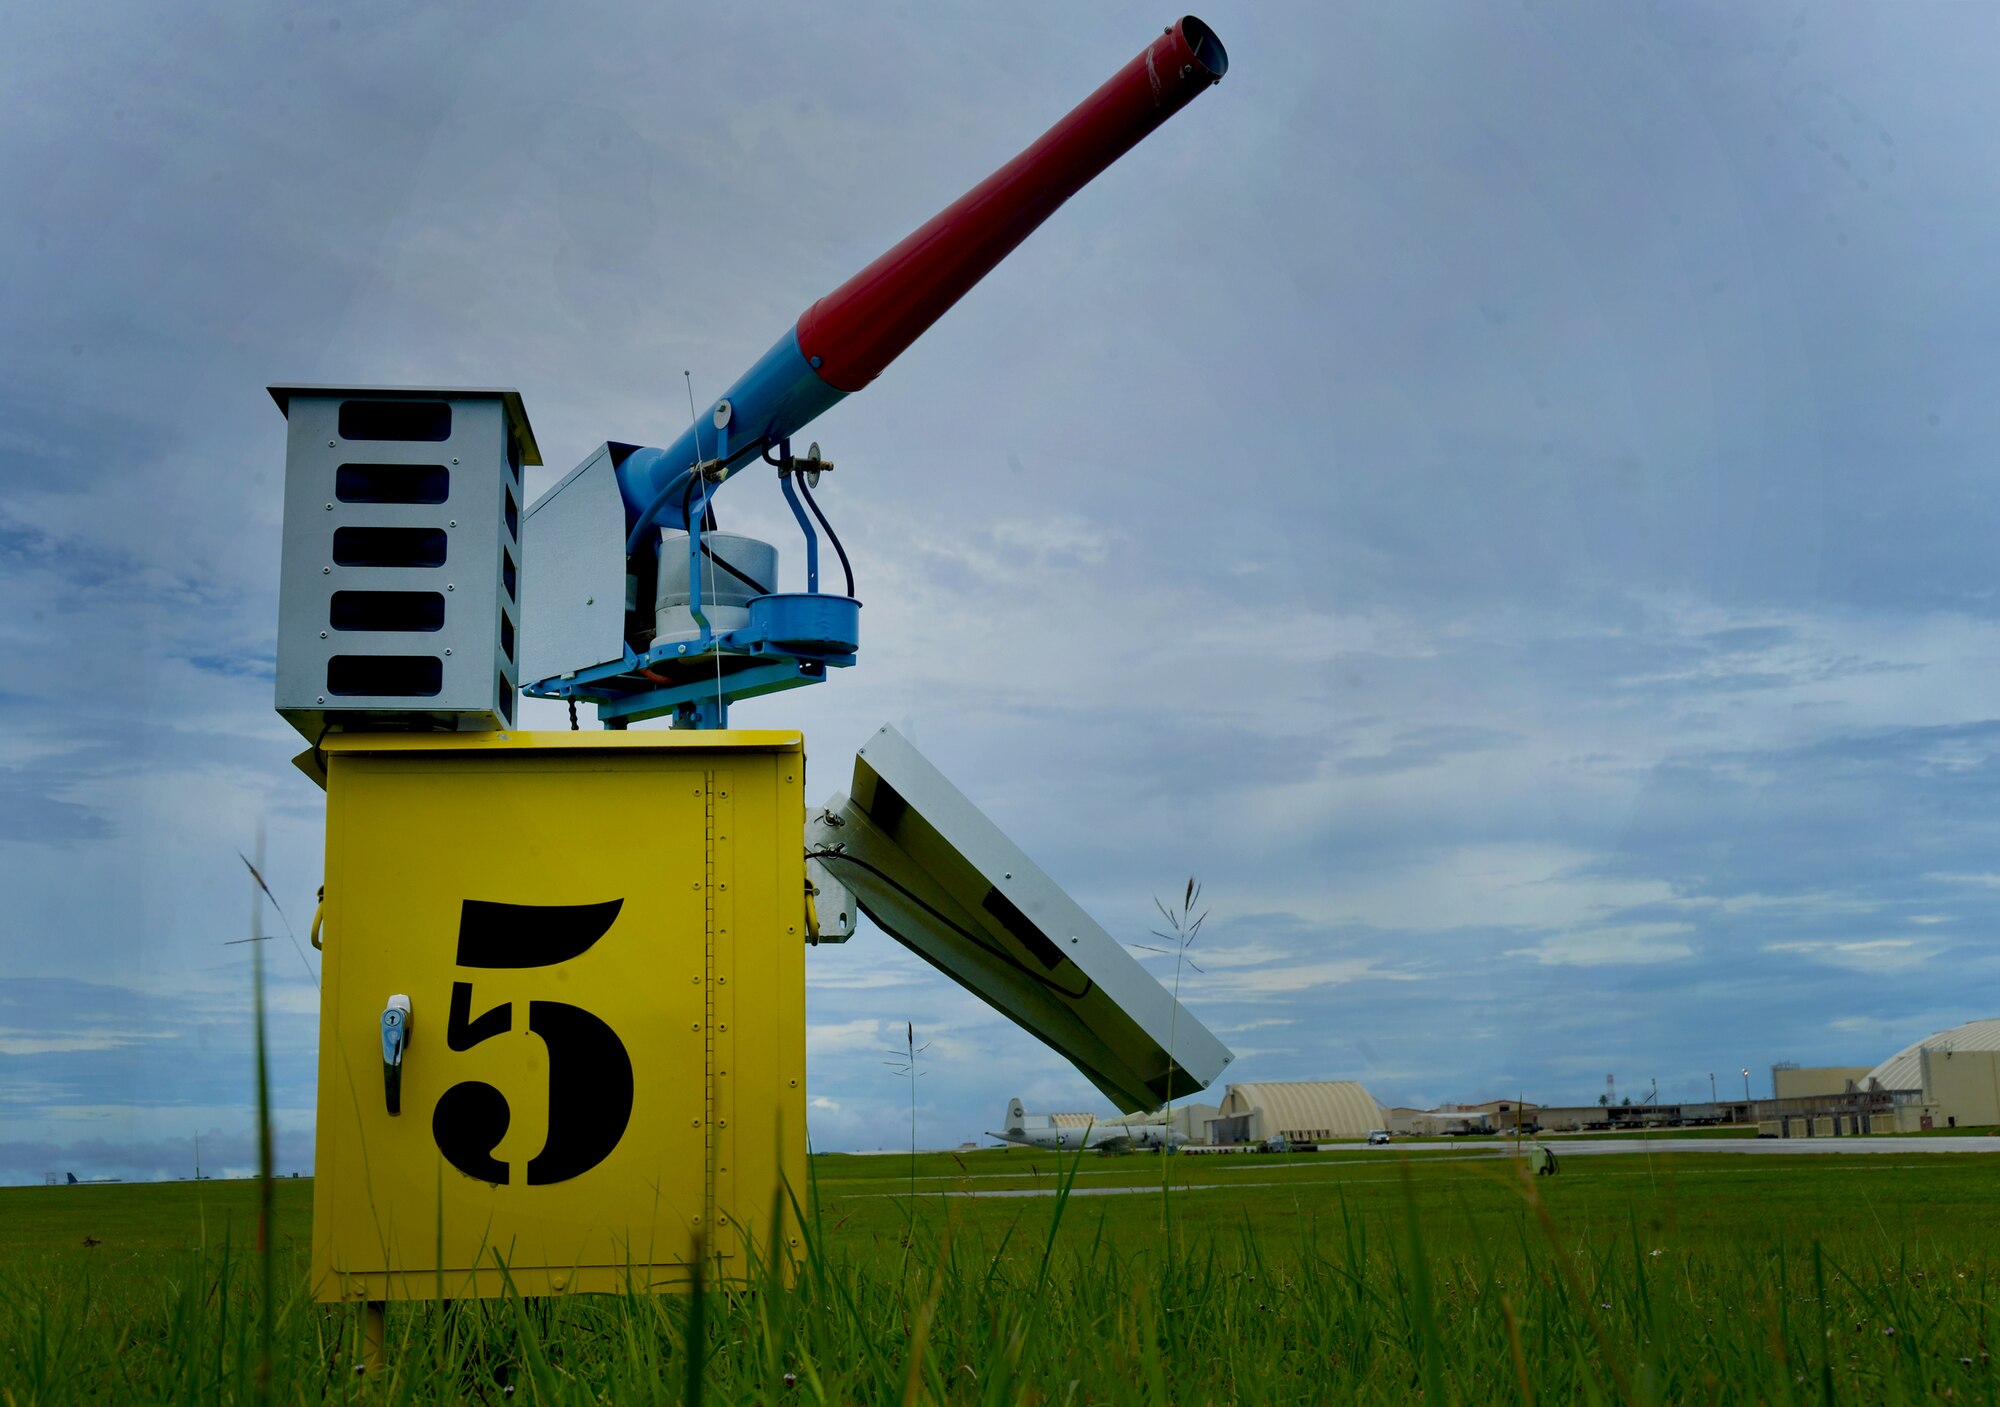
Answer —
(852, 333)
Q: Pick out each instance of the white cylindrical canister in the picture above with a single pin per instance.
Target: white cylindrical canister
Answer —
(734, 569)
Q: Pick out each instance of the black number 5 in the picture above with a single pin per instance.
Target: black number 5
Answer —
(590, 1074)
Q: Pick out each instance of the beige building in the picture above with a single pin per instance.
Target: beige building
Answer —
(1814, 1081)
(1301, 1112)
(1445, 1121)
(1962, 1087)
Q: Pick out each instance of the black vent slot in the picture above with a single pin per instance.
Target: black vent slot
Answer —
(387, 610)
(392, 483)
(507, 573)
(1022, 929)
(385, 676)
(395, 420)
(389, 547)
(506, 692)
(506, 638)
(513, 518)
(888, 808)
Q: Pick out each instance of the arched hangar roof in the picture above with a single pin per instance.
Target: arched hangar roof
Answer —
(1342, 1107)
(1904, 1069)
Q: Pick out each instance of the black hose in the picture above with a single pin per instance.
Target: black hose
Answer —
(831, 535)
(708, 521)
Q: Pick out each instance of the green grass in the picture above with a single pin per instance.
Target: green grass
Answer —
(1375, 1277)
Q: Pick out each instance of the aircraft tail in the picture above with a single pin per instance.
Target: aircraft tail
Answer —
(72, 1179)
(1017, 1115)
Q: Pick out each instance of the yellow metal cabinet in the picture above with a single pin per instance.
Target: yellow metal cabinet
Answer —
(601, 936)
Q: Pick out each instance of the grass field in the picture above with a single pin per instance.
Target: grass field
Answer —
(1367, 1276)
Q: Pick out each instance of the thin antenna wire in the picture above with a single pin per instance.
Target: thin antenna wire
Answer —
(694, 582)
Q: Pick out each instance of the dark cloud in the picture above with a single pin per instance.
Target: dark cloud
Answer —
(1501, 496)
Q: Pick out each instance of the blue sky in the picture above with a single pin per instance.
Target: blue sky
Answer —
(1499, 492)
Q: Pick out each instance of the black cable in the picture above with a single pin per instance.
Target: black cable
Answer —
(708, 515)
(831, 535)
(749, 581)
(978, 940)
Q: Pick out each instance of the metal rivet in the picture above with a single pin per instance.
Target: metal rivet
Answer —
(1072, 937)
(326, 571)
(329, 507)
(454, 459)
(723, 981)
(322, 698)
(453, 523)
(449, 587)
(448, 652)
(322, 635)
(695, 1123)
(682, 649)
(329, 444)
(697, 1025)
(722, 1124)
(1008, 875)
(723, 1027)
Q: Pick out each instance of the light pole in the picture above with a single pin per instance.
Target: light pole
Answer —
(1746, 1089)
(1711, 1086)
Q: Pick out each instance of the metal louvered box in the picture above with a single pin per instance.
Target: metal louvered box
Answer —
(399, 588)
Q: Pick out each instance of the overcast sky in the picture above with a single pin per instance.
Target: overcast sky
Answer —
(1498, 492)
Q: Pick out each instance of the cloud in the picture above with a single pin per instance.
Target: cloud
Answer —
(1865, 954)
(13, 1042)
(1643, 943)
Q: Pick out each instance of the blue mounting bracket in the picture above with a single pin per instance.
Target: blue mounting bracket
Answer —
(791, 640)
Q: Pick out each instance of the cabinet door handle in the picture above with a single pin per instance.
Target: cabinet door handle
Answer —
(395, 1040)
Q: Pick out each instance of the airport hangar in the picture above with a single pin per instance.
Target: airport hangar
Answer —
(1950, 1079)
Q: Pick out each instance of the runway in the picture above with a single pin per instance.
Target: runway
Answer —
(1261, 1172)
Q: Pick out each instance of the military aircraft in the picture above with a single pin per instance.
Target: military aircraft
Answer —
(1066, 1131)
